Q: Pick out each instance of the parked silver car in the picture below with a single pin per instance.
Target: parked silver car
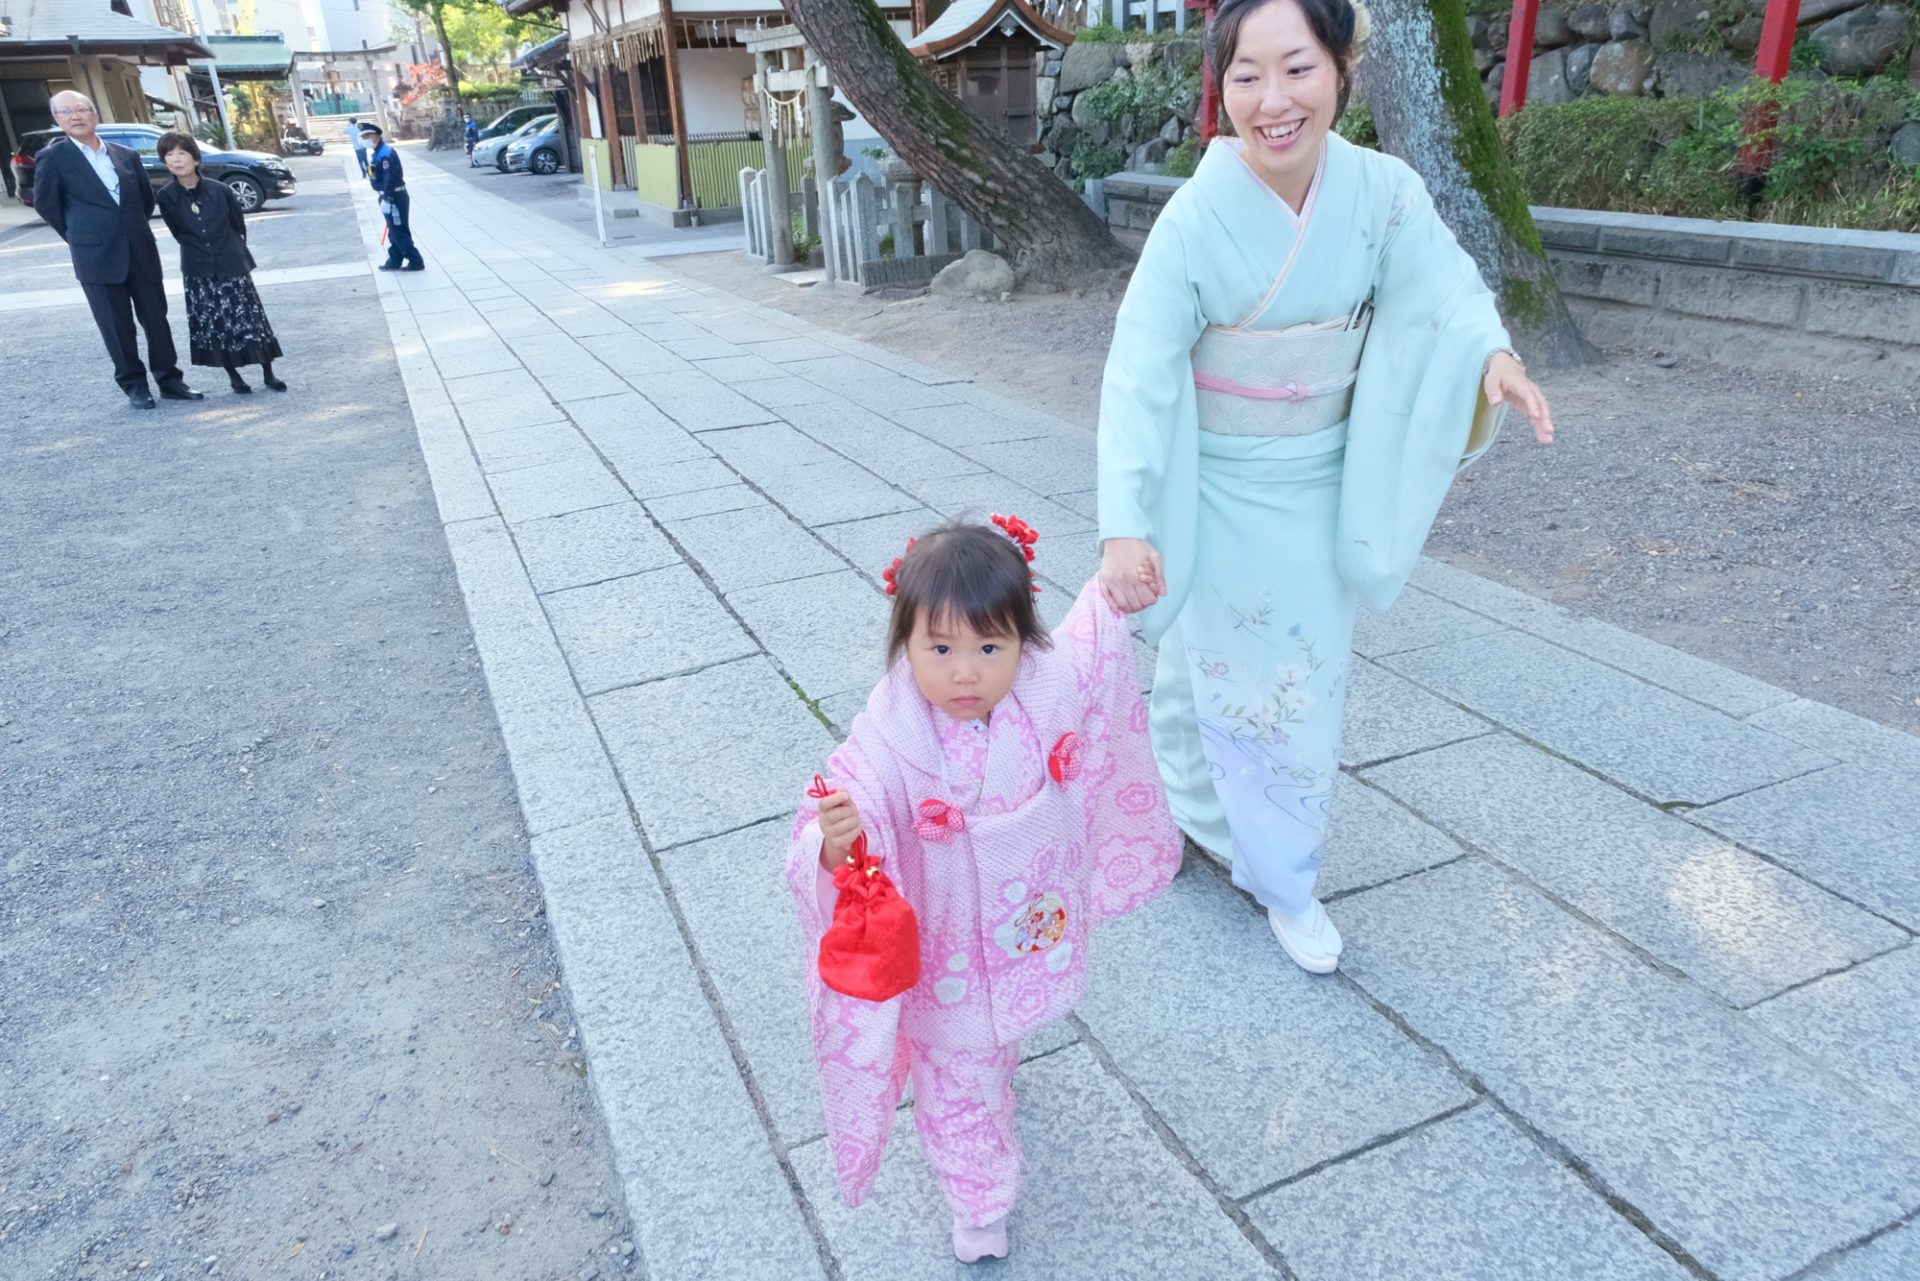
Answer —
(493, 151)
(543, 152)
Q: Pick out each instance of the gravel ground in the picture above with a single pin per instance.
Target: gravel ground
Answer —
(1768, 521)
(279, 997)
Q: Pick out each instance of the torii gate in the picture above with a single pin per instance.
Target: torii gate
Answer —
(774, 51)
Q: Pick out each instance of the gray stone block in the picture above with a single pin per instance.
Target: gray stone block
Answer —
(1732, 295)
(1372, 839)
(1389, 716)
(1859, 311)
(581, 380)
(704, 502)
(733, 893)
(634, 357)
(1658, 242)
(591, 547)
(522, 661)
(781, 392)
(1661, 745)
(740, 368)
(956, 426)
(1857, 262)
(1841, 735)
(1084, 501)
(1060, 462)
(1892, 1257)
(842, 708)
(1736, 924)
(504, 451)
(471, 355)
(1861, 1024)
(560, 770)
(692, 1155)
(869, 385)
(1085, 1209)
(1263, 1098)
(643, 627)
(884, 448)
(817, 485)
(700, 403)
(493, 385)
(556, 489)
(661, 480)
(979, 496)
(586, 321)
(707, 348)
(828, 633)
(1465, 1199)
(458, 487)
(510, 412)
(1743, 1153)
(1415, 621)
(789, 348)
(718, 749)
(888, 359)
(1850, 828)
(873, 544)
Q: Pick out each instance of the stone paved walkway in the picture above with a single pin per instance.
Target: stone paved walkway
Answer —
(1630, 987)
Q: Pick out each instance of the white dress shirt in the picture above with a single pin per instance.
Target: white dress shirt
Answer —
(103, 165)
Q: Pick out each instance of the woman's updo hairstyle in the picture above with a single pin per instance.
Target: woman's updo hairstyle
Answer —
(1340, 26)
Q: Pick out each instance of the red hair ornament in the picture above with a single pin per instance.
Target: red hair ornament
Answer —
(871, 951)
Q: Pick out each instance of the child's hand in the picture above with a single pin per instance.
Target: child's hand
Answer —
(839, 825)
(1130, 574)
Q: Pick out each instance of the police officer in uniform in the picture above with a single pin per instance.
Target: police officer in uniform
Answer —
(389, 180)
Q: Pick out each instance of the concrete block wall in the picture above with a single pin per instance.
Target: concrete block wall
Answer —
(1749, 294)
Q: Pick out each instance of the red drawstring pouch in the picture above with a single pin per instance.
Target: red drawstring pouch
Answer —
(872, 949)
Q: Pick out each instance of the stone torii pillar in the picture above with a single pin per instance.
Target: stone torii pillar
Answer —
(774, 53)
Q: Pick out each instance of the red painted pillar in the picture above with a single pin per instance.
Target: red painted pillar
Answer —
(1513, 85)
(1770, 64)
(1209, 87)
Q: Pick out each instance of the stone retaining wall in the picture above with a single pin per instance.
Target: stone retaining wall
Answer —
(1752, 294)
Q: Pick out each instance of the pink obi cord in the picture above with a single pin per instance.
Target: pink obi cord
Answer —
(1286, 391)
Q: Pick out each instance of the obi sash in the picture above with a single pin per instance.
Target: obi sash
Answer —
(1278, 382)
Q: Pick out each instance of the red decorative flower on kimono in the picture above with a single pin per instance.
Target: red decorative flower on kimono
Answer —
(1063, 762)
(938, 821)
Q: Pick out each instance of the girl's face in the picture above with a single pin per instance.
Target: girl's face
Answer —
(959, 671)
(1282, 93)
(180, 162)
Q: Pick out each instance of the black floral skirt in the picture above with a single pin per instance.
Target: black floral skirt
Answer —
(226, 325)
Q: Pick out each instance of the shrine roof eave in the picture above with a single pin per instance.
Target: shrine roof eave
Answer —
(945, 37)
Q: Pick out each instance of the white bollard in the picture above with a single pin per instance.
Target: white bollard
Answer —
(593, 180)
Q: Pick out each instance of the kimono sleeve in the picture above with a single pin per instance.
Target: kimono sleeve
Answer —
(1148, 384)
(861, 1058)
(1130, 835)
(1417, 398)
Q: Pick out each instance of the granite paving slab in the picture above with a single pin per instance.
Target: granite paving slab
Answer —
(503, 451)
(1852, 828)
(817, 485)
(705, 502)
(581, 380)
(510, 412)
(1371, 839)
(1265, 1100)
(733, 893)
(751, 547)
(789, 348)
(1416, 620)
(1468, 1198)
(882, 447)
(591, 546)
(1894, 1256)
(1841, 735)
(1738, 925)
(968, 424)
(700, 403)
(692, 1153)
(1864, 1024)
(643, 627)
(1083, 1210)
(784, 391)
(555, 489)
(979, 496)
(1628, 1067)
(828, 633)
(1389, 716)
(493, 385)
(1061, 462)
(744, 757)
(872, 544)
(459, 489)
(707, 348)
(740, 367)
(634, 356)
(869, 385)
(1663, 746)
(662, 480)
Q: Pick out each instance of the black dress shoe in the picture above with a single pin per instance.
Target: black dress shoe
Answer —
(389, 266)
(180, 391)
(418, 266)
(140, 398)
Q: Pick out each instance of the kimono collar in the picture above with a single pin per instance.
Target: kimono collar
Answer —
(909, 725)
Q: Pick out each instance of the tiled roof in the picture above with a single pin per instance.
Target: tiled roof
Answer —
(92, 22)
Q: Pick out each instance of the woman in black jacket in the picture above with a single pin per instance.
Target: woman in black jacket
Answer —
(226, 325)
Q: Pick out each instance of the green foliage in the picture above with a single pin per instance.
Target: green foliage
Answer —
(1831, 164)
(210, 131)
(803, 244)
(1147, 97)
(483, 38)
(1184, 159)
(1357, 127)
(1104, 32)
(1091, 159)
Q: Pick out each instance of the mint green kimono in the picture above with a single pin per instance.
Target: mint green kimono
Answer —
(1274, 525)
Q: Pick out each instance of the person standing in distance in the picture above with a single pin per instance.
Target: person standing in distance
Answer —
(359, 147)
(96, 196)
(389, 180)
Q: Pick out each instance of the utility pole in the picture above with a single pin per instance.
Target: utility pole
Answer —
(213, 75)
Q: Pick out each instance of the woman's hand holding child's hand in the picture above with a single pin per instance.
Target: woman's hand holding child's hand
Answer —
(1130, 574)
(839, 825)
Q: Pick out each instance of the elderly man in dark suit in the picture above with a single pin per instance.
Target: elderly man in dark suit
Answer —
(96, 195)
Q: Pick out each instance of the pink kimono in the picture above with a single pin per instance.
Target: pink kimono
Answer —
(1011, 838)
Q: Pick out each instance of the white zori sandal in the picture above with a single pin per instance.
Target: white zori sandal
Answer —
(1312, 941)
(970, 1245)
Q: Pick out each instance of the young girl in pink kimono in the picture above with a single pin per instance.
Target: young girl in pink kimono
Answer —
(1004, 779)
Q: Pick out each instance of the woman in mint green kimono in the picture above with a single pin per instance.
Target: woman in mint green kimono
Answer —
(1304, 359)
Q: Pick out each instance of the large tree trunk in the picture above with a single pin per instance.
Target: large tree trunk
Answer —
(1431, 111)
(438, 11)
(1054, 236)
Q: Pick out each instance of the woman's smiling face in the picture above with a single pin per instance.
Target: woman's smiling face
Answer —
(1282, 93)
